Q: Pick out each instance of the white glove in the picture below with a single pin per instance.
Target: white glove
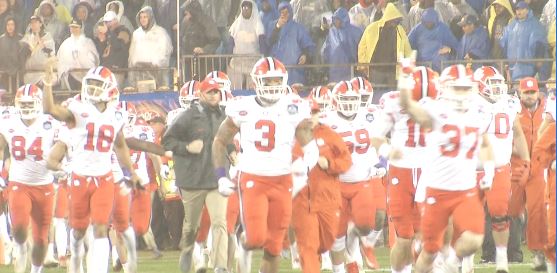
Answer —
(165, 171)
(405, 82)
(125, 189)
(3, 184)
(489, 172)
(226, 187)
(298, 183)
(380, 172)
(299, 167)
(63, 173)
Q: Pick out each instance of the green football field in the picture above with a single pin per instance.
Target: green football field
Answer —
(169, 263)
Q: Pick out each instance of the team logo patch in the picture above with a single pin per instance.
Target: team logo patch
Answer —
(84, 115)
(11, 131)
(119, 116)
(334, 127)
(370, 117)
(143, 136)
(243, 113)
(47, 125)
(292, 109)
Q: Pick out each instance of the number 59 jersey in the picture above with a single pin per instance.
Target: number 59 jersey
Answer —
(356, 134)
(93, 138)
(453, 145)
(267, 134)
(29, 146)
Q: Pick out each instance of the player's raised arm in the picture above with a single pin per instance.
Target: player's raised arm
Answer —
(416, 112)
(49, 107)
(224, 137)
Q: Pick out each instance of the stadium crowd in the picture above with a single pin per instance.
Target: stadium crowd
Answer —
(142, 35)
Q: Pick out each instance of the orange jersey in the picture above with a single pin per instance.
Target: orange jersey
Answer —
(323, 189)
(531, 123)
(544, 149)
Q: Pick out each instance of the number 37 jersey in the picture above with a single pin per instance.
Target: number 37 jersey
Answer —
(29, 146)
(267, 134)
(93, 137)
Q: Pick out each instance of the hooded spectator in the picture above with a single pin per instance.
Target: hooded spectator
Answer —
(267, 10)
(289, 42)
(83, 12)
(474, 45)
(42, 47)
(309, 12)
(376, 46)
(548, 15)
(5, 13)
(150, 48)
(118, 8)
(76, 52)
(248, 37)
(219, 11)
(57, 29)
(113, 42)
(500, 14)
(12, 54)
(341, 46)
(524, 38)
(433, 40)
(362, 13)
(444, 11)
(18, 11)
(199, 35)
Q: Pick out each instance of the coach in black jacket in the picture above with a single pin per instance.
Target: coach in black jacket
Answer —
(190, 139)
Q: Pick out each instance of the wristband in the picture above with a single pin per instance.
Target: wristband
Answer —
(220, 172)
(126, 172)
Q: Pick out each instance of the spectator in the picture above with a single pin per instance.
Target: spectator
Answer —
(12, 54)
(41, 45)
(18, 12)
(341, 46)
(548, 15)
(380, 6)
(289, 42)
(361, 13)
(56, 28)
(524, 38)
(76, 52)
(218, 10)
(150, 48)
(62, 13)
(190, 138)
(5, 13)
(433, 40)
(248, 37)
(309, 13)
(500, 14)
(199, 35)
(113, 44)
(83, 12)
(416, 11)
(118, 8)
(384, 41)
(474, 45)
(267, 10)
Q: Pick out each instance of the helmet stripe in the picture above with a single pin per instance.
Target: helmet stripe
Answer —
(97, 70)
(271, 63)
(27, 90)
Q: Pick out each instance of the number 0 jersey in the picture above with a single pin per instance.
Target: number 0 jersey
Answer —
(93, 138)
(267, 133)
(29, 146)
(453, 145)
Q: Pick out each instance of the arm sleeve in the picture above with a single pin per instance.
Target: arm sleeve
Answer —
(340, 159)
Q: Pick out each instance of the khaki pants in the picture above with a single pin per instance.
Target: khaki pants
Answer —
(193, 201)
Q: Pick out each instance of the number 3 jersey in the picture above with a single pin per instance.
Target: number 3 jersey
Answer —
(93, 138)
(453, 144)
(29, 147)
(356, 134)
(267, 134)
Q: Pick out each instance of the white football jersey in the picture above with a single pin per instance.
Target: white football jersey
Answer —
(356, 134)
(267, 133)
(29, 147)
(139, 158)
(500, 131)
(453, 145)
(550, 107)
(93, 138)
(173, 114)
(406, 134)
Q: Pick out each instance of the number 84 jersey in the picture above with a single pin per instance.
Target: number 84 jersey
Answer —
(356, 134)
(267, 134)
(29, 146)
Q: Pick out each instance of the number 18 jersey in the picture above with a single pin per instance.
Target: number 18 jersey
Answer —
(93, 138)
(267, 134)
